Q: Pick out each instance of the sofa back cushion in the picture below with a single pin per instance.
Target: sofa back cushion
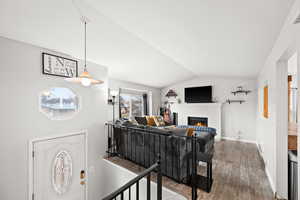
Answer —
(179, 131)
(183, 131)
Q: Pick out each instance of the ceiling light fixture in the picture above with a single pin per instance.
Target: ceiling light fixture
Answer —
(85, 78)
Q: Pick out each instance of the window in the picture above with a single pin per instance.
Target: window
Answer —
(59, 103)
(133, 104)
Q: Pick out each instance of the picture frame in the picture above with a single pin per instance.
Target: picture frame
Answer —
(55, 65)
(266, 102)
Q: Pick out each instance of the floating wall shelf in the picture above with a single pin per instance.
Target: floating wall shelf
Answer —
(235, 101)
(240, 90)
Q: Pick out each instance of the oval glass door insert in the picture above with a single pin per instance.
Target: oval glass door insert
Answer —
(62, 172)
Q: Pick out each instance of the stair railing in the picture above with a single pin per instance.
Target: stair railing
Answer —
(120, 193)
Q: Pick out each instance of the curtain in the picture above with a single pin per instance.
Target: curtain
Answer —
(145, 102)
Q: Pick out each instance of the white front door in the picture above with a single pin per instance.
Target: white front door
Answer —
(59, 168)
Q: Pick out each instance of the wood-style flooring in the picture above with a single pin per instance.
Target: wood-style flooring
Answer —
(238, 173)
(293, 136)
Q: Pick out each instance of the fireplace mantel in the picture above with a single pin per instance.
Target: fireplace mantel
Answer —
(210, 110)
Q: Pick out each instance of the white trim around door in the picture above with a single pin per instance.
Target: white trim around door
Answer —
(31, 158)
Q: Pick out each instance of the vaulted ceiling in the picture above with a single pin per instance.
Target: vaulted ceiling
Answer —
(154, 43)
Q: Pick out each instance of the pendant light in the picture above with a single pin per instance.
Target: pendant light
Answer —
(85, 78)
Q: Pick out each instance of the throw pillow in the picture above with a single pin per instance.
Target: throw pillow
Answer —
(159, 121)
(190, 131)
(150, 121)
(141, 120)
(133, 121)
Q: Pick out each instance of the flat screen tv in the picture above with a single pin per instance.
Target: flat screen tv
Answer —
(198, 94)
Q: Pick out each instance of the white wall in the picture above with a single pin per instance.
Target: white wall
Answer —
(266, 128)
(116, 84)
(117, 176)
(21, 81)
(235, 117)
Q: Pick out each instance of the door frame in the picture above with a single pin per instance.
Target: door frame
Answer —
(30, 158)
(281, 184)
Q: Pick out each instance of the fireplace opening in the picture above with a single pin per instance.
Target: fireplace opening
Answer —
(198, 121)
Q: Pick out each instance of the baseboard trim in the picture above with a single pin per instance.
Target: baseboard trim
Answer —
(267, 172)
(270, 181)
(239, 140)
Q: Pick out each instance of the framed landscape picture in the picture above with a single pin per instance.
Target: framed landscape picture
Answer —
(59, 66)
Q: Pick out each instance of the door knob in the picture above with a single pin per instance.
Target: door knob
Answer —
(82, 174)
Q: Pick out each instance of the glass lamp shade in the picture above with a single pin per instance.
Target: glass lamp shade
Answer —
(86, 82)
(85, 79)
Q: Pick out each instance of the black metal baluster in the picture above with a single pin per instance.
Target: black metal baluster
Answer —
(119, 193)
(154, 148)
(129, 193)
(127, 152)
(187, 159)
(210, 174)
(159, 144)
(135, 140)
(131, 146)
(149, 152)
(159, 180)
(108, 139)
(178, 151)
(166, 149)
(149, 187)
(112, 140)
(207, 176)
(194, 170)
(172, 146)
(144, 147)
(107, 129)
(122, 146)
(137, 191)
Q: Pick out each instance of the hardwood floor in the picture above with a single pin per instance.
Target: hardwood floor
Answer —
(238, 174)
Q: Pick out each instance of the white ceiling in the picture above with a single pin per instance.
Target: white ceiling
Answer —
(154, 43)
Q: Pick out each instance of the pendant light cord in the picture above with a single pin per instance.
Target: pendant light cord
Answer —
(85, 46)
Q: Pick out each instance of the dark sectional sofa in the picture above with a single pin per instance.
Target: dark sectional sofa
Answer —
(142, 144)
